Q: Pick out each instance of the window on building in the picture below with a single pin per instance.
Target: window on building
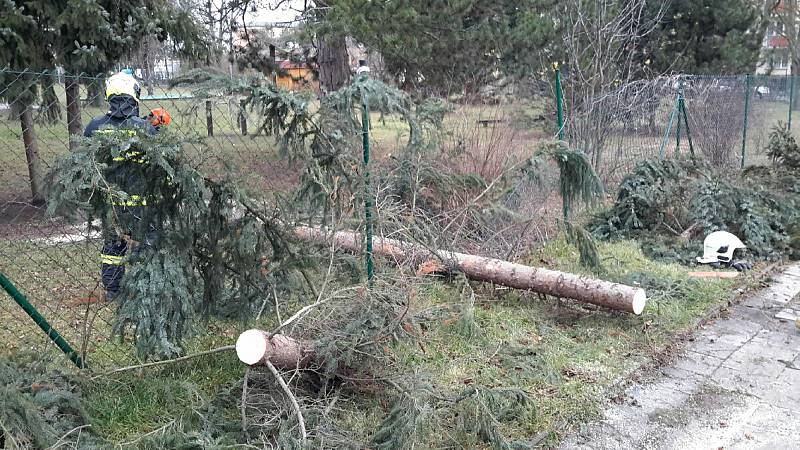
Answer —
(775, 29)
(779, 58)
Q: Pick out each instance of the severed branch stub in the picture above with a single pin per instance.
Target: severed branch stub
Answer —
(256, 347)
(519, 276)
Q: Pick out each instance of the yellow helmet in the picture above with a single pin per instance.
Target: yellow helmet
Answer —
(122, 83)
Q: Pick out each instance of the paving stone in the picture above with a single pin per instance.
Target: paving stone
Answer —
(788, 314)
(779, 422)
(737, 386)
(785, 395)
(680, 375)
(754, 368)
(751, 313)
(758, 301)
(784, 291)
(719, 346)
(598, 436)
(698, 363)
(762, 349)
(755, 383)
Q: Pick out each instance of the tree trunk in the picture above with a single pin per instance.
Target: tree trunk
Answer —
(255, 347)
(148, 75)
(50, 108)
(31, 153)
(73, 94)
(333, 61)
(95, 92)
(149, 63)
(13, 111)
(549, 282)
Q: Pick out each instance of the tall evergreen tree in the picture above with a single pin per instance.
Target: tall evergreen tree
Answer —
(93, 35)
(444, 45)
(24, 44)
(704, 37)
(86, 36)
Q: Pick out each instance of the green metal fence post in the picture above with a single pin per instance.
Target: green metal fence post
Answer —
(662, 149)
(559, 103)
(679, 105)
(367, 194)
(746, 112)
(688, 131)
(51, 332)
(791, 101)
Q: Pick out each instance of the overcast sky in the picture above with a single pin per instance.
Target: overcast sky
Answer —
(282, 14)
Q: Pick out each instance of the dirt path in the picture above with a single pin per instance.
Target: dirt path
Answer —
(737, 386)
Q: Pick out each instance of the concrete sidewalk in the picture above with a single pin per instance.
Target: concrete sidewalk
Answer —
(737, 385)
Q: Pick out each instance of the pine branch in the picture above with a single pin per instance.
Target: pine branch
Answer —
(292, 398)
(224, 348)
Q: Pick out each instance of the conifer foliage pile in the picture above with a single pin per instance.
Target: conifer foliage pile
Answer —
(38, 409)
(671, 205)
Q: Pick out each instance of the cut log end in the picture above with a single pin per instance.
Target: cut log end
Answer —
(256, 347)
(639, 300)
(251, 347)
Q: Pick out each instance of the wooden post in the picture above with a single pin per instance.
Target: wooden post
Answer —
(209, 119)
(31, 153)
(243, 116)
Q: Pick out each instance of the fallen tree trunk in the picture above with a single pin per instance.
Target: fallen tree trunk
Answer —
(256, 347)
(519, 276)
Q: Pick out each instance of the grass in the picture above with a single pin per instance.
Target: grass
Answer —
(563, 354)
(143, 402)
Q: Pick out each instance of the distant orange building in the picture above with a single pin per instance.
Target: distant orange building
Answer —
(294, 76)
(775, 51)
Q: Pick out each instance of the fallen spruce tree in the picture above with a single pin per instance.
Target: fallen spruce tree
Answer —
(224, 252)
(257, 347)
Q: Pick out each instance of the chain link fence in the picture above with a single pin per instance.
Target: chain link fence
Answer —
(55, 262)
(724, 120)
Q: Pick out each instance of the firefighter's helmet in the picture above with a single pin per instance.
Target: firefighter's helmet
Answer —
(159, 117)
(122, 83)
(718, 247)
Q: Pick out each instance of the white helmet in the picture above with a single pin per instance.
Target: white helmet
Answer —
(718, 247)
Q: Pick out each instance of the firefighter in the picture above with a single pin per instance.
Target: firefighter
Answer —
(125, 172)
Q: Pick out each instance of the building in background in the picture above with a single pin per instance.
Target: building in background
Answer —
(775, 56)
(296, 76)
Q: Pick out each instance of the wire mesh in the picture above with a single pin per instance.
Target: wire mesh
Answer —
(727, 118)
(55, 261)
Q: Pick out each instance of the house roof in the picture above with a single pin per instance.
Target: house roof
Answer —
(286, 64)
(778, 42)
